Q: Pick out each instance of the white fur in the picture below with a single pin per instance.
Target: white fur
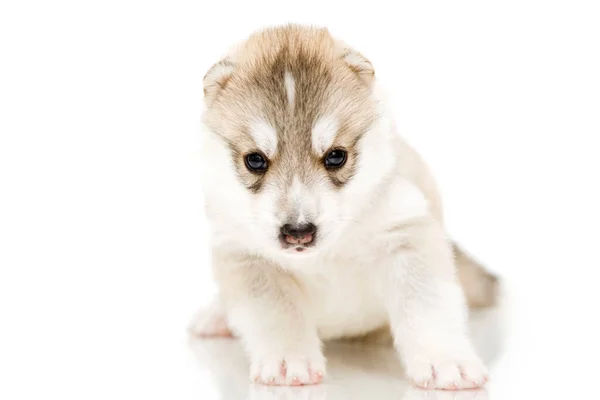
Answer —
(215, 75)
(382, 258)
(301, 200)
(219, 71)
(211, 321)
(264, 136)
(357, 60)
(323, 133)
(290, 88)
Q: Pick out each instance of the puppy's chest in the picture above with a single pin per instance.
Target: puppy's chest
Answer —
(346, 300)
(367, 247)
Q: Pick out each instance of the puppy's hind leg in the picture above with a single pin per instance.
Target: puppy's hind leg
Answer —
(480, 286)
(211, 321)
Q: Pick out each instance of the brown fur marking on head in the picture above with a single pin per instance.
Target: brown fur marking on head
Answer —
(324, 85)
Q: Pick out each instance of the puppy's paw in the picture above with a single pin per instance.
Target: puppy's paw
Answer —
(288, 370)
(210, 322)
(447, 373)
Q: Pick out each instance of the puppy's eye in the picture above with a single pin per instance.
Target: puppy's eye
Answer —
(335, 159)
(256, 162)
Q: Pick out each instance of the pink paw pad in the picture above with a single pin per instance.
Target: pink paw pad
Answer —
(451, 376)
(288, 372)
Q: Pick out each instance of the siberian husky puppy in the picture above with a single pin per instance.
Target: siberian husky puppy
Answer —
(325, 223)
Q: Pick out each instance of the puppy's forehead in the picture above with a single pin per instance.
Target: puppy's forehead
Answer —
(291, 93)
(302, 106)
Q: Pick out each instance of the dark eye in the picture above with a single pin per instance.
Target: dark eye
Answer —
(335, 158)
(256, 162)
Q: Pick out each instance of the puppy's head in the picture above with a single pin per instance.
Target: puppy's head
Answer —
(298, 142)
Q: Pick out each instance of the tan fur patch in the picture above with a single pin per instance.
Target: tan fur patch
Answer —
(324, 84)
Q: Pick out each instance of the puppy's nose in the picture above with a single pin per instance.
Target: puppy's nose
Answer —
(298, 234)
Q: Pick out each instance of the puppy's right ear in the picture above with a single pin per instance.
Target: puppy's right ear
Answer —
(216, 78)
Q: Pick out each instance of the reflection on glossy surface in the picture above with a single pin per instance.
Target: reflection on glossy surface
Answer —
(354, 371)
(323, 392)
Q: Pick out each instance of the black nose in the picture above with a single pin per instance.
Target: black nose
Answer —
(298, 234)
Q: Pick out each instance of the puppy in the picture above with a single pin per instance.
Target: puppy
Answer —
(325, 223)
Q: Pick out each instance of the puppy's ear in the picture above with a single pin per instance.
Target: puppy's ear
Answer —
(216, 78)
(360, 65)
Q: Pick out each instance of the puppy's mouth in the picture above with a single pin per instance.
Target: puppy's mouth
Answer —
(297, 244)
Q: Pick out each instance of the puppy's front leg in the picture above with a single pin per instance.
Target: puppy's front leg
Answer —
(268, 309)
(427, 310)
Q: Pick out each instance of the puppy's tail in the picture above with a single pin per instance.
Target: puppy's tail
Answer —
(480, 286)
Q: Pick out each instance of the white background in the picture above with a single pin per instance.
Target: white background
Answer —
(103, 257)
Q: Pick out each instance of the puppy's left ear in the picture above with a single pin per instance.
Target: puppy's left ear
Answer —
(359, 65)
